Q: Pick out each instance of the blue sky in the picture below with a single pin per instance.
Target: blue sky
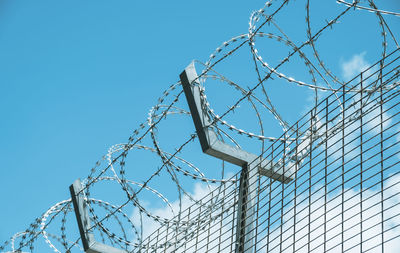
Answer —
(79, 76)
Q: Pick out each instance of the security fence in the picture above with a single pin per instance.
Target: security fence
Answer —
(345, 192)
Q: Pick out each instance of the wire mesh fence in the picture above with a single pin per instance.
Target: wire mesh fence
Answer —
(344, 196)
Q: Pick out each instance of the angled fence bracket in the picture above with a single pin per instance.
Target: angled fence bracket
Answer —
(90, 245)
(252, 165)
(208, 138)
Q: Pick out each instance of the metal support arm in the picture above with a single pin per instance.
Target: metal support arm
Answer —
(208, 138)
(251, 164)
(90, 245)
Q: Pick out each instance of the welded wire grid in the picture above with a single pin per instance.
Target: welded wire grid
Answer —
(345, 193)
(344, 152)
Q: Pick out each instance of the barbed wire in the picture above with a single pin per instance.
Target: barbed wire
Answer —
(131, 233)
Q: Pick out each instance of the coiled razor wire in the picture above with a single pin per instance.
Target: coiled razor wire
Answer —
(53, 224)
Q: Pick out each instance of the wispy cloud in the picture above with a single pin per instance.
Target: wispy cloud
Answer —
(354, 66)
(200, 192)
(217, 235)
(352, 209)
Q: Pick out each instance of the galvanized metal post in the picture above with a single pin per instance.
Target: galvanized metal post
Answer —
(251, 164)
(245, 235)
(82, 216)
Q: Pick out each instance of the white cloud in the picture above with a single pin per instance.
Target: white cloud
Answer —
(199, 192)
(187, 235)
(354, 66)
(371, 216)
(208, 234)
